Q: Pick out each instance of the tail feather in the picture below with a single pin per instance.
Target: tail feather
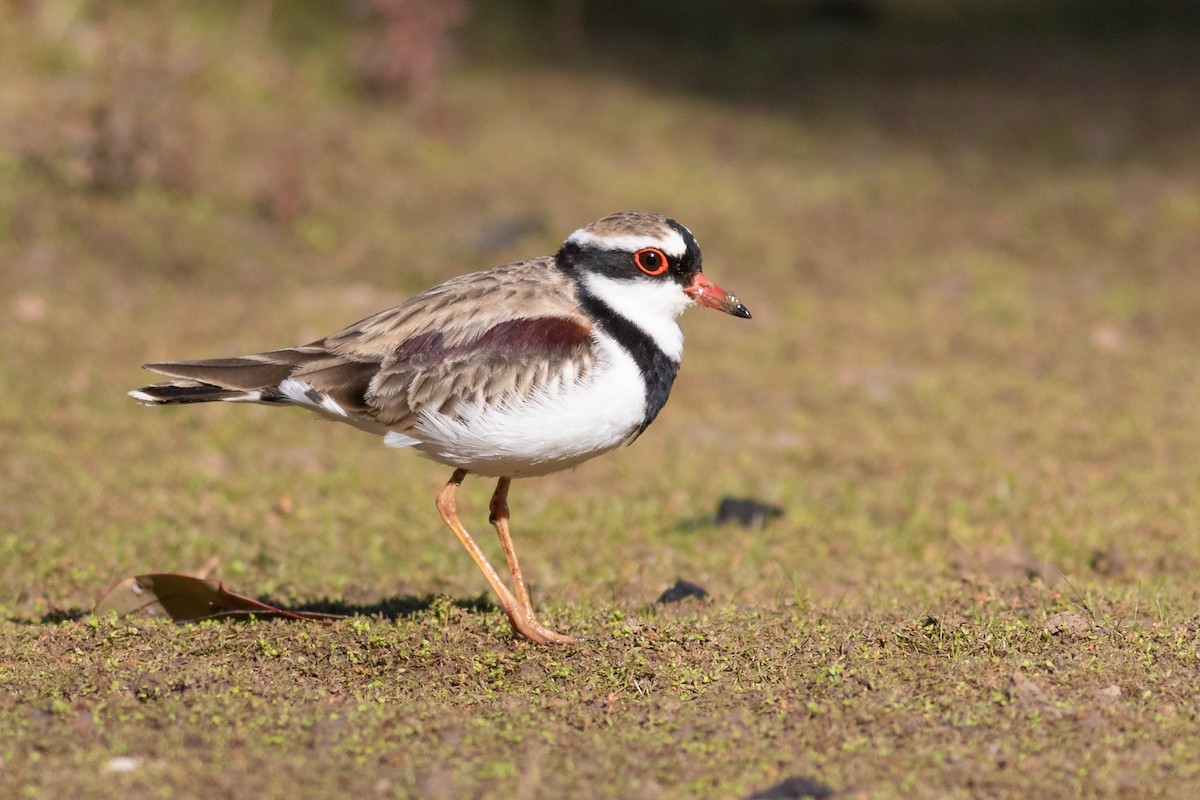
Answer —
(159, 394)
(308, 376)
(244, 372)
(246, 378)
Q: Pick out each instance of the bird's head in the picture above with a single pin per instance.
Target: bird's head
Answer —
(646, 254)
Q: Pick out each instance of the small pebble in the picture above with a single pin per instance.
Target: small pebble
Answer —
(682, 590)
(794, 789)
(746, 512)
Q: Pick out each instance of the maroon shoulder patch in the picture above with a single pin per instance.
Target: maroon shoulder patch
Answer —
(536, 337)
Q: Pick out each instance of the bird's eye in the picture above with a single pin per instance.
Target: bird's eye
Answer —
(651, 261)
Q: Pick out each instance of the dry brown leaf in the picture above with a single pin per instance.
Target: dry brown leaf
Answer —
(186, 598)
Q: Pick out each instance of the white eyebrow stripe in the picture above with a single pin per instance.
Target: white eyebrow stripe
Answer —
(672, 243)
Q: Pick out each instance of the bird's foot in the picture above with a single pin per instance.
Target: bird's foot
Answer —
(526, 624)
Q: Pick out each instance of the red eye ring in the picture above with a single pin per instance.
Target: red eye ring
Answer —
(651, 261)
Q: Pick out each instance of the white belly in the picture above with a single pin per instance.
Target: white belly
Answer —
(554, 429)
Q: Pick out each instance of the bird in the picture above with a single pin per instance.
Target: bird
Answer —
(512, 372)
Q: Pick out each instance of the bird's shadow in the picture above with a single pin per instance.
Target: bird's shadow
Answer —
(388, 608)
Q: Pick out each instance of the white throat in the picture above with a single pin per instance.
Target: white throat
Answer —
(653, 307)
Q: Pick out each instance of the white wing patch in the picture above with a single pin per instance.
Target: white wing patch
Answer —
(302, 394)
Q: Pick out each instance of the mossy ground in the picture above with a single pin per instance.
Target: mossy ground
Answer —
(971, 382)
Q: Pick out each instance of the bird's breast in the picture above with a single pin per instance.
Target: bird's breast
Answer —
(557, 427)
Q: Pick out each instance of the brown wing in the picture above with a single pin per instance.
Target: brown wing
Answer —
(460, 309)
(479, 337)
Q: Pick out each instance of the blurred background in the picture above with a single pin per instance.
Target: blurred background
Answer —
(968, 232)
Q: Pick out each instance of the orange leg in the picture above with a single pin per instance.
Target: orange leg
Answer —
(499, 518)
(520, 614)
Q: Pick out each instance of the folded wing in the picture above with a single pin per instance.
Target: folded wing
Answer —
(451, 345)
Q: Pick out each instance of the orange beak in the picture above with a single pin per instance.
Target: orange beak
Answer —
(707, 293)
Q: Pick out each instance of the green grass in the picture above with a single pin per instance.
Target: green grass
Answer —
(971, 381)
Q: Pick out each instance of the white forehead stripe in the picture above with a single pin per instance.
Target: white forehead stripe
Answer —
(670, 243)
